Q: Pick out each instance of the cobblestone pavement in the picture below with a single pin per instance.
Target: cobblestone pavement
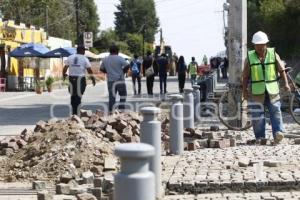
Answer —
(238, 196)
(244, 168)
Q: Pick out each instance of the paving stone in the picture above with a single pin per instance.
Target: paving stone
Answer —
(44, 195)
(38, 185)
(63, 188)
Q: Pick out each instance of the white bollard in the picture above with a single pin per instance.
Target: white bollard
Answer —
(188, 109)
(176, 125)
(151, 134)
(134, 181)
(196, 93)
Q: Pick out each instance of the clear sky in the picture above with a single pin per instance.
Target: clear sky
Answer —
(191, 27)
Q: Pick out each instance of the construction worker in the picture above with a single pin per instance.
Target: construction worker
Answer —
(192, 69)
(261, 69)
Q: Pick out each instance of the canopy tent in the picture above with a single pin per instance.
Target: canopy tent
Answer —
(91, 55)
(29, 50)
(60, 52)
(105, 54)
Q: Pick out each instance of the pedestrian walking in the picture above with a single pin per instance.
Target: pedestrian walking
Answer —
(162, 64)
(77, 64)
(192, 69)
(147, 63)
(135, 66)
(115, 67)
(261, 69)
(181, 71)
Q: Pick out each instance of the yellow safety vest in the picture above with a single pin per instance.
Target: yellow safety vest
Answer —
(263, 75)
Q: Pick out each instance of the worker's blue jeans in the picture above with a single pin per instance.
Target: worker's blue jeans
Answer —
(259, 121)
(115, 87)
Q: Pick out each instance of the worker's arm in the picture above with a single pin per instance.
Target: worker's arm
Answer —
(65, 69)
(246, 75)
(281, 69)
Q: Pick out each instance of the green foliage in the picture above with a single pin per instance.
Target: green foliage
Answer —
(135, 43)
(61, 15)
(280, 19)
(49, 81)
(136, 16)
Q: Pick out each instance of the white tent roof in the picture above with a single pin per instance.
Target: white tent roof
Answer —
(91, 55)
(105, 54)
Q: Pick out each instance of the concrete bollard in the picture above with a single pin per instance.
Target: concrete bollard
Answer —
(135, 181)
(188, 108)
(151, 134)
(196, 93)
(176, 125)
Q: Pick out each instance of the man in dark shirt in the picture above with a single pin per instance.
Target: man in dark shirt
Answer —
(162, 64)
(148, 62)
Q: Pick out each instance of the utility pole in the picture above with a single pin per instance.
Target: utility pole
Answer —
(237, 51)
(237, 41)
(77, 22)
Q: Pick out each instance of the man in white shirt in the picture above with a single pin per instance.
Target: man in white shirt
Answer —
(115, 66)
(77, 64)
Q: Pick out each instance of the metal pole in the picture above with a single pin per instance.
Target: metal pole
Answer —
(151, 134)
(188, 108)
(77, 22)
(134, 181)
(237, 50)
(197, 98)
(176, 125)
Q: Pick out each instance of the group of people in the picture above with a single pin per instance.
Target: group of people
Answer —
(260, 79)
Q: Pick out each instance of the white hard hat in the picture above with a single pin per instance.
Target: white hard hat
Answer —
(260, 38)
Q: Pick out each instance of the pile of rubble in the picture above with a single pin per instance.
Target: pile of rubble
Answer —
(73, 145)
(80, 144)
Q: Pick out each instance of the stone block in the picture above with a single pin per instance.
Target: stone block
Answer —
(97, 192)
(78, 190)
(66, 177)
(232, 142)
(40, 125)
(86, 113)
(214, 128)
(7, 152)
(243, 162)
(133, 124)
(21, 143)
(110, 163)
(44, 195)
(121, 126)
(97, 182)
(100, 113)
(88, 177)
(272, 163)
(97, 169)
(77, 119)
(297, 140)
(85, 196)
(112, 122)
(13, 145)
(62, 188)
(38, 185)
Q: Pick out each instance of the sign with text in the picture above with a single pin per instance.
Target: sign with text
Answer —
(88, 39)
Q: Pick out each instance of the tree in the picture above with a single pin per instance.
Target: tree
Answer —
(107, 38)
(135, 43)
(60, 15)
(280, 19)
(136, 16)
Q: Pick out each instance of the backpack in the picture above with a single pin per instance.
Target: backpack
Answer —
(135, 69)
